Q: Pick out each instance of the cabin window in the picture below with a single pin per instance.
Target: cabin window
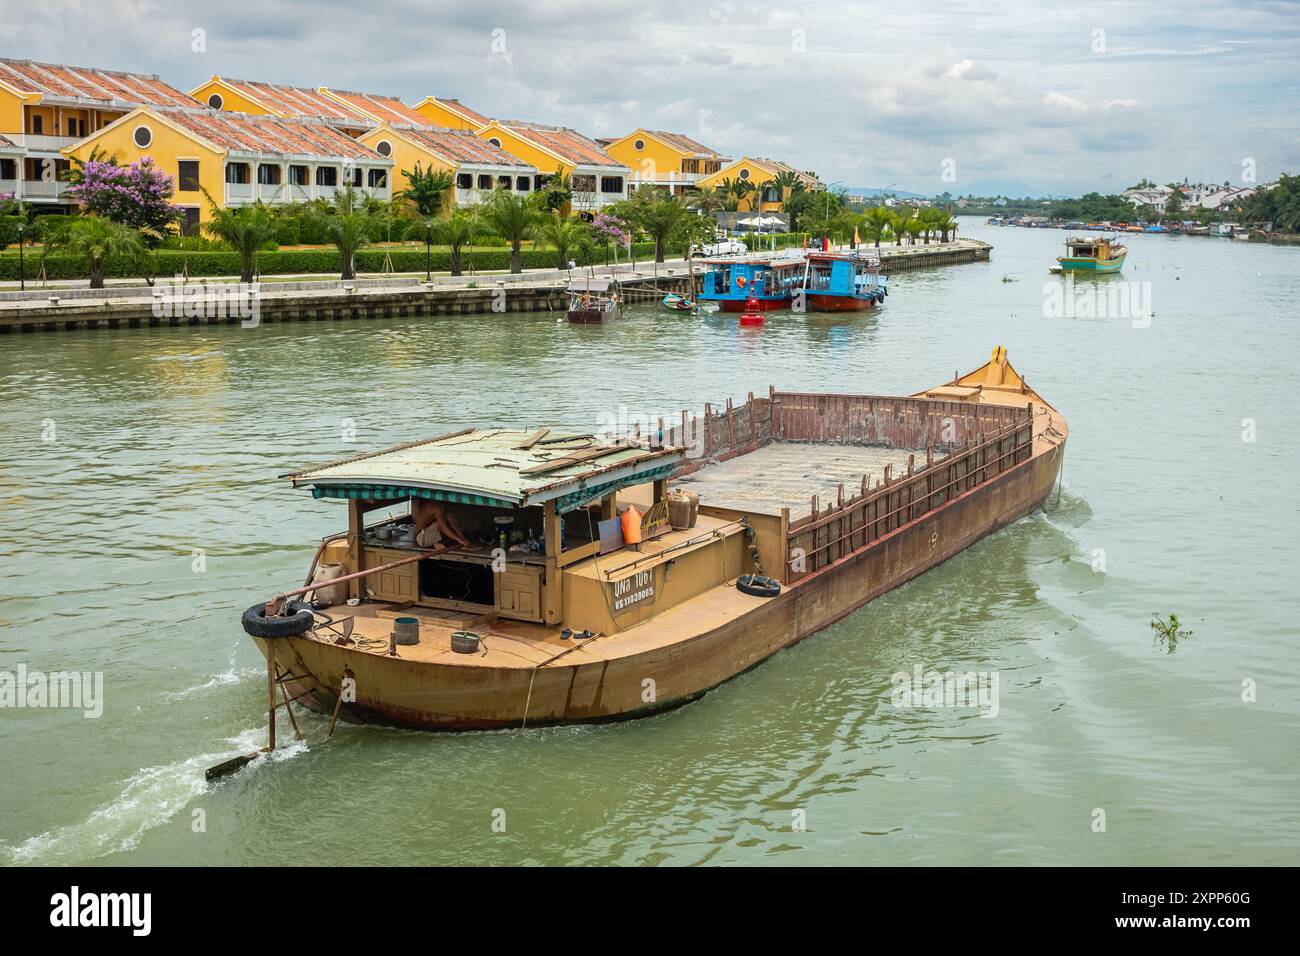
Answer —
(237, 173)
(187, 178)
(327, 175)
(522, 183)
(484, 182)
(504, 182)
(611, 184)
(299, 176)
(464, 181)
(268, 175)
(378, 178)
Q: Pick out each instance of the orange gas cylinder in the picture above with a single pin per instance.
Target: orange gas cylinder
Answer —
(631, 526)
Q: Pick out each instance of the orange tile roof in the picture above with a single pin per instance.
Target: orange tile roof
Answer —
(386, 109)
(456, 106)
(459, 146)
(79, 83)
(684, 143)
(274, 135)
(567, 143)
(300, 101)
(780, 167)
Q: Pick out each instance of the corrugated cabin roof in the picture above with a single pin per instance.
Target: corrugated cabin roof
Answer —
(60, 82)
(491, 463)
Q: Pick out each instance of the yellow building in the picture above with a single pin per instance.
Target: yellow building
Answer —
(760, 173)
(46, 107)
(241, 159)
(597, 178)
(353, 113)
(660, 158)
(450, 113)
(477, 166)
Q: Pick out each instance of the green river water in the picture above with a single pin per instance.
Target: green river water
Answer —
(169, 440)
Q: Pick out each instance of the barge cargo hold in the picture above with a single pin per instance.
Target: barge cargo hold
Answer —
(809, 506)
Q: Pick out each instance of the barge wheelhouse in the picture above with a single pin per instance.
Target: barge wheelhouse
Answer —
(843, 281)
(1092, 255)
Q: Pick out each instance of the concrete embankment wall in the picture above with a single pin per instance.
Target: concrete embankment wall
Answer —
(378, 298)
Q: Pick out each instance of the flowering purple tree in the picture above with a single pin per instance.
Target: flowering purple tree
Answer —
(135, 195)
(610, 229)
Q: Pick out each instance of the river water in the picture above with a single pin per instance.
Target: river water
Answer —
(140, 514)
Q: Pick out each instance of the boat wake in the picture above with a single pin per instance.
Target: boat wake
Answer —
(149, 799)
(232, 676)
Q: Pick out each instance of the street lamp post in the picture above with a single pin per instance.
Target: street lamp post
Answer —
(22, 265)
(428, 252)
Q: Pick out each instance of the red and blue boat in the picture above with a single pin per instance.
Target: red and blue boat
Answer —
(742, 283)
(843, 281)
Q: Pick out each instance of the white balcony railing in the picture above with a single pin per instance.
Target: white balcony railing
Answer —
(36, 190)
(280, 194)
(38, 143)
(238, 193)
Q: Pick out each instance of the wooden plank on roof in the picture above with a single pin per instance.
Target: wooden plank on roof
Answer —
(576, 458)
(532, 439)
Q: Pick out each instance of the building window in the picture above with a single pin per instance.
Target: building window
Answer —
(504, 182)
(237, 173)
(268, 175)
(484, 181)
(187, 179)
(464, 181)
(299, 176)
(378, 178)
(611, 184)
(639, 144)
(495, 142)
(72, 126)
(81, 128)
(327, 175)
(142, 136)
(8, 169)
(521, 184)
(215, 101)
(190, 221)
(771, 194)
(38, 124)
(744, 173)
(384, 148)
(352, 176)
(583, 183)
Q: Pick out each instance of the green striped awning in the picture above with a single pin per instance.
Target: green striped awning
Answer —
(585, 496)
(387, 492)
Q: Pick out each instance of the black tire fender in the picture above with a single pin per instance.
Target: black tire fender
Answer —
(758, 585)
(298, 619)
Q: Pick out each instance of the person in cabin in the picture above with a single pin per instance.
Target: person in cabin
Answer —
(432, 524)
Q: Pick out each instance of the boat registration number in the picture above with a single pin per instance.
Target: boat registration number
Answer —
(634, 589)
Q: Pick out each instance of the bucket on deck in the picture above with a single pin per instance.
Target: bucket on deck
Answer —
(406, 630)
(332, 593)
(683, 508)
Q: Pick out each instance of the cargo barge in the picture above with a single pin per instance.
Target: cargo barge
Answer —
(496, 578)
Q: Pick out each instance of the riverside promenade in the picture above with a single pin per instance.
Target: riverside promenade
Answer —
(131, 303)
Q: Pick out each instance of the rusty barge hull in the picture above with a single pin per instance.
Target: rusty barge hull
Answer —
(673, 658)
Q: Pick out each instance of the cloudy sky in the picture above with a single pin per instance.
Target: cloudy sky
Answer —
(927, 95)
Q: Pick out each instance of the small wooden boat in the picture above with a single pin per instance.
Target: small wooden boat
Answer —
(591, 301)
(843, 281)
(1091, 255)
(678, 303)
(569, 606)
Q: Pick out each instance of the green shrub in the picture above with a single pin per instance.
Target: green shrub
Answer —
(9, 229)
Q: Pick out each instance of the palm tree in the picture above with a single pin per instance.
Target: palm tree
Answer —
(563, 234)
(456, 231)
(880, 219)
(348, 224)
(100, 240)
(659, 215)
(428, 189)
(513, 218)
(245, 228)
(706, 199)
